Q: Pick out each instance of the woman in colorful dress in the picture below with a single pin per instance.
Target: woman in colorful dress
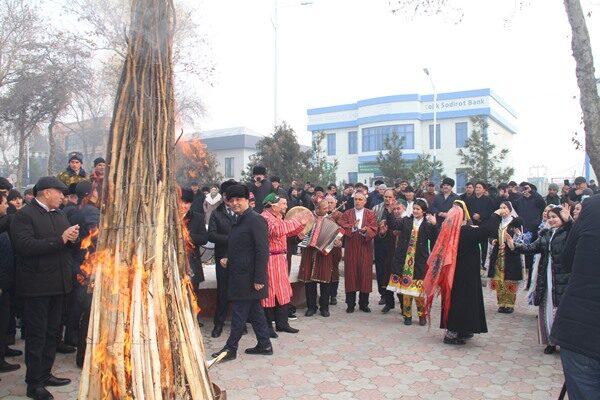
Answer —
(506, 268)
(417, 235)
(552, 279)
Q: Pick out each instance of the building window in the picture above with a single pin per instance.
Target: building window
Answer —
(438, 136)
(373, 139)
(461, 181)
(353, 142)
(462, 134)
(352, 177)
(331, 144)
(229, 167)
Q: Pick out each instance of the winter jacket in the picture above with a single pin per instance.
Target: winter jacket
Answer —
(530, 210)
(577, 326)
(7, 262)
(87, 217)
(44, 261)
(549, 246)
(247, 255)
(219, 228)
(68, 176)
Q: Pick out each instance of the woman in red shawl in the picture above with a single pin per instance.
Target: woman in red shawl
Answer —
(454, 273)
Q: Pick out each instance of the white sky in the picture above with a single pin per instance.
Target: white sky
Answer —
(341, 51)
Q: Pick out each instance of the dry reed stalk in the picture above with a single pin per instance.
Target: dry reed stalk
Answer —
(143, 341)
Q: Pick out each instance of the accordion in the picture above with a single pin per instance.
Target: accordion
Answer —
(323, 235)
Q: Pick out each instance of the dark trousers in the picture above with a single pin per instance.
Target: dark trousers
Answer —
(483, 245)
(241, 311)
(85, 302)
(381, 252)
(4, 321)
(529, 260)
(389, 299)
(42, 322)
(279, 314)
(74, 311)
(311, 295)
(582, 375)
(333, 289)
(363, 299)
(222, 282)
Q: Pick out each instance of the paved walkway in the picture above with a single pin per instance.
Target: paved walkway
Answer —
(373, 356)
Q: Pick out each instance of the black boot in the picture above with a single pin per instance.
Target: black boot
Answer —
(281, 319)
(270, 314)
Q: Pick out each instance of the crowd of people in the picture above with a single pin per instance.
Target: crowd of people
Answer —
(420, 243)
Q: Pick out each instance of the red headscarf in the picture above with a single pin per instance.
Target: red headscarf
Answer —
(441, 263)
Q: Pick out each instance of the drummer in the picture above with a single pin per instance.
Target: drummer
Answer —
(280, 291)
(318, 267)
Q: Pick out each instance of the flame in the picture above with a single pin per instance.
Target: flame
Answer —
(195, 157)
(90, 261)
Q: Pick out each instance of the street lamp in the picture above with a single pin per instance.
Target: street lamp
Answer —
(426, 71)
(275, 27)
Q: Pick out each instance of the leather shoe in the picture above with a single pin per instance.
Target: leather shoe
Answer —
(381, 301)
(272, 333)
(422, 321)
(6, 367)
(365, 309)
(55, 381)
(350, 309)
(386, 309)
(39, 393)
(231, 355)
(259, 350)
(287, 329)
(448, 340)
(333, 301)
(65, 348)
(325, 313)
(465, 336)
(549, 349)
(217, 330)
(310, 312)
(407, 321)
(12, 352)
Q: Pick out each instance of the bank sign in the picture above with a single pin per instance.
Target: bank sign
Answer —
(457, 104)
(369, 167)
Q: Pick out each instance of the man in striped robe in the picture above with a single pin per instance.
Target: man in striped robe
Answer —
(280, 291)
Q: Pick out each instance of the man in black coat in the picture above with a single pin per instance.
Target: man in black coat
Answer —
(7, 278)
(42, 238)
(219, 227)
(260, 186)
(577, 326)
(247, 257)
(443, 201)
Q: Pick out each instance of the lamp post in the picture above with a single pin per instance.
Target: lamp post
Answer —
(275, 28)
(426, 71)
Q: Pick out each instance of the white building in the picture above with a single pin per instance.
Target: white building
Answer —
(232, 148)
(356, 132)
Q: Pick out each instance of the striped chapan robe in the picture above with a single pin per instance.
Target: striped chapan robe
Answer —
(358, 254)
(277, 270)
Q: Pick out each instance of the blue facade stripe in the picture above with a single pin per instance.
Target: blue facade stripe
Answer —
(388, 99)
(484, 111)
(457, 95)
(503, 103)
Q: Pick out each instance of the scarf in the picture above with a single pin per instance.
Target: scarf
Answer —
(441, 263)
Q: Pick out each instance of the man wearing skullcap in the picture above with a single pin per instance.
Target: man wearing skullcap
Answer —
(280, 291)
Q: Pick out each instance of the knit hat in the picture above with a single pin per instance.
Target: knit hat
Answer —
(83, 189)
(75, 155)
(98, 161)
(237, 191)
(270, 199)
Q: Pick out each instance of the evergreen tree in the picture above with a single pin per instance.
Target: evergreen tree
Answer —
(280, 154)
(479, 159)
(391, 164)
(317, 169)
(424, 167)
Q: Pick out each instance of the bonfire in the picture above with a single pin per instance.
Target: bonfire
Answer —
(144, 341)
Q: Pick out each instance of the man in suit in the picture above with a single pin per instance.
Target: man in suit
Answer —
(42, 238)
(576, 328)
(247, 257)
(219, 227)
